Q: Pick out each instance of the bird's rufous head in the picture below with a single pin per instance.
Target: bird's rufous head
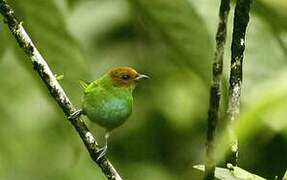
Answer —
(125, 76)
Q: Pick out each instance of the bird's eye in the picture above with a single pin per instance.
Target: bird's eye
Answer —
(125, 77)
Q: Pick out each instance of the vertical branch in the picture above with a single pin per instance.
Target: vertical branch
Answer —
(55, 89)
(215, 89)
(241, 19)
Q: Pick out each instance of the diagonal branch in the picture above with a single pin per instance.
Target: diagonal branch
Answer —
(241, 19)
(215, 91)
(55, 89)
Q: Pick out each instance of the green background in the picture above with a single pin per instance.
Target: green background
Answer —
(170, 40)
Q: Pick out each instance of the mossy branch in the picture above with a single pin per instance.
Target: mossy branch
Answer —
(55, 89)
(215, 89)
(241, 19)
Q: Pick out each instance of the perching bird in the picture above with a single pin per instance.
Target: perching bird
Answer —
(108, 101)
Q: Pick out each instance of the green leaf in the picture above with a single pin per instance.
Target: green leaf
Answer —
(5, 43)
(285, 176)
(276, 16)
(59, 77)
(46, 26)
(71, 3)
(254, 116)
(91, 20)
(231, 173)
(181, 29)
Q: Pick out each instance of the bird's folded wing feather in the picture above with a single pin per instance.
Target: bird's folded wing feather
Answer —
(89, 86)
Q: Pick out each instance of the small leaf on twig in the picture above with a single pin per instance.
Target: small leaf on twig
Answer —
(231, 173)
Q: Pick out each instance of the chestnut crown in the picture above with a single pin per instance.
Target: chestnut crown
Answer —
(125, 76)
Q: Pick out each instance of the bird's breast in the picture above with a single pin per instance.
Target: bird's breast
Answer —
(107, 109)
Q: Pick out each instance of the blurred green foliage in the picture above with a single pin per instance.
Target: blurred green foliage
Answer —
(170, 40)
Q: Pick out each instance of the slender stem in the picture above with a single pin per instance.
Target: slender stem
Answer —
(215, 89)
(55, 89)
(241, 19)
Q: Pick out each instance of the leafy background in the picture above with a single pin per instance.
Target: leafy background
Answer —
(170, 40)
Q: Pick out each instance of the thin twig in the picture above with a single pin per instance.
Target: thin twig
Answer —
(55, 89)
(215, 89)
(241, 19)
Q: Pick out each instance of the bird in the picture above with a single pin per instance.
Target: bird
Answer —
(108, 100)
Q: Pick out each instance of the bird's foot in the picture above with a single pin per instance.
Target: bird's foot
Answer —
(75, 115)
(102, 152)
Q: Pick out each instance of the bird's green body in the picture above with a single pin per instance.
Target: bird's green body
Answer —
(108, 101)
(106, 104)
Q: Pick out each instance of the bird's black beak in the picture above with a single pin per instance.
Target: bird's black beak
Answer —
(141, 77)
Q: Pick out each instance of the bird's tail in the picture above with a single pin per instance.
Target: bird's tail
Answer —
(84, 84)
